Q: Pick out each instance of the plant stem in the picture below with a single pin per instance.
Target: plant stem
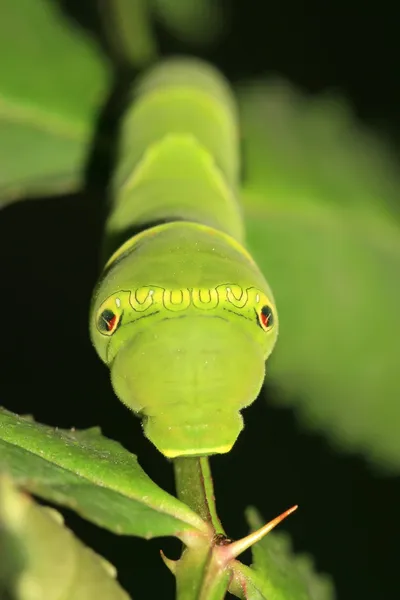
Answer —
(200, 574)
(215, 580)
(194, 486)
(128, 27)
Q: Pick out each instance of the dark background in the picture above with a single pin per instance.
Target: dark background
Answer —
(49, 248)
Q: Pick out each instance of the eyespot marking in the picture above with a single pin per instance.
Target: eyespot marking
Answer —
(149, 300)
(266, 317)
(109, 314)
(108, 322)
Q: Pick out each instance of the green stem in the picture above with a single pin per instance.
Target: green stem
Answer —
(216, 580)
(194, 486)
(200, 575)
(129, 30)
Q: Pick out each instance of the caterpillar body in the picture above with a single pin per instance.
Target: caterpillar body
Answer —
(181, 314)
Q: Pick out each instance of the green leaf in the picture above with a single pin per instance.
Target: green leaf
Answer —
(322, 215)
(40, 558)
(276, 573)
(92, 475)
(53, 83)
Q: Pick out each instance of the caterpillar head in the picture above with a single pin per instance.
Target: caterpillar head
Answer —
(187, 360)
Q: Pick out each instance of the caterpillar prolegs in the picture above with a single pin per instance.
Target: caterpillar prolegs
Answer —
(182, 315)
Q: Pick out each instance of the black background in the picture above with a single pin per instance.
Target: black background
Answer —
(49, 249)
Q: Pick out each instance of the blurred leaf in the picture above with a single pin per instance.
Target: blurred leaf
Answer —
(277, 573)
(128, 27)
(53, 82)
(191, 21)
(322, 215)
(41, 559)
(92, 475)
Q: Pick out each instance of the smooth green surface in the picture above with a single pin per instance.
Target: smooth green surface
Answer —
(278, 574)
(322, 220)
(53, 82)
(41, 559)
(94, 476)
(179, 97)
(179, 312)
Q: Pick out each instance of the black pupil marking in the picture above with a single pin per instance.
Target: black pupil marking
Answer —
(267, 316)
(106, 320)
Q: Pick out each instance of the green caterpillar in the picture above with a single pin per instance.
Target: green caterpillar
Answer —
(182, 315)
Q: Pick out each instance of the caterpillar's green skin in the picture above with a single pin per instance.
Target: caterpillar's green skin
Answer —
(182, 315)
